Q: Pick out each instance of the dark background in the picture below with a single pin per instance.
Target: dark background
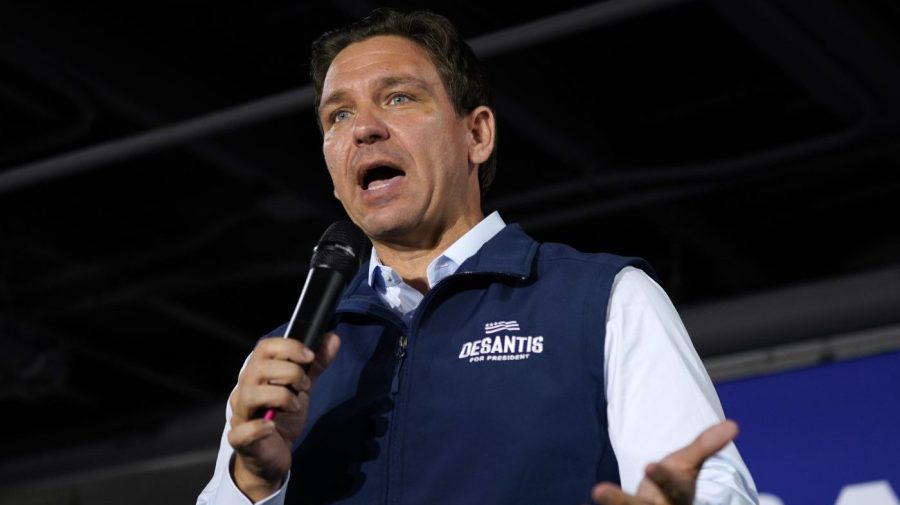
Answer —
(162, 184)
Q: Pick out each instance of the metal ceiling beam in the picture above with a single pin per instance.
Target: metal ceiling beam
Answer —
(786, 43)
(561, 147)
(281, 104)
(792, 314)
(566, 23)
(118, 362)
(117, 150)
(216, 155)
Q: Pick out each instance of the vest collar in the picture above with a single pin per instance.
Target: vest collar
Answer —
(510, 252)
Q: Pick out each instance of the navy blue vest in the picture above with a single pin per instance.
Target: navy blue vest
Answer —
(491, 394)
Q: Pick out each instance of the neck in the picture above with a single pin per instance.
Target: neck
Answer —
(411, 255)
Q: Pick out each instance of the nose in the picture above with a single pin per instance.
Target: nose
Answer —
(369, 127)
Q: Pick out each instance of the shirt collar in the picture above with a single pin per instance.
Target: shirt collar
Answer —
(449, 261)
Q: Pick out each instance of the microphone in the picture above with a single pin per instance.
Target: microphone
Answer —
(336, 258)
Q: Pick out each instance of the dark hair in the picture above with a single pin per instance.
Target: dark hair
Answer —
(459, 69)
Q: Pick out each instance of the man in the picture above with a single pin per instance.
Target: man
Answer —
(476, 366)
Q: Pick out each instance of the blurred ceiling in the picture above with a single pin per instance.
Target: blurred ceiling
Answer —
(162, 185)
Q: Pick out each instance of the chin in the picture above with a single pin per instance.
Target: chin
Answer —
(387, 227)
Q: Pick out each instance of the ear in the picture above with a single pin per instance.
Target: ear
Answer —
(481, 134)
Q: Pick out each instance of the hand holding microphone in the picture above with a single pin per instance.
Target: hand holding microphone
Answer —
(272, 376)
(335, 260)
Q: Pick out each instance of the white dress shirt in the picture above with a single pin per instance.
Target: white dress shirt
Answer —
(647, 354)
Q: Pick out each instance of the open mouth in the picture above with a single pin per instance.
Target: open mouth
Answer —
(379, 176)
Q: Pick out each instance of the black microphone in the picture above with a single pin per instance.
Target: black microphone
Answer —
(335, 260)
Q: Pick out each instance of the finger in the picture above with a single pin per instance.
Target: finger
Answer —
(677, 487)
(286, 349)
(246, 434)
(247, 402)
(610, 494)
(331, 343)
(711, 441)
(283, 373)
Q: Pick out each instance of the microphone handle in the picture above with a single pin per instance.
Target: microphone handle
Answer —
(324, 285)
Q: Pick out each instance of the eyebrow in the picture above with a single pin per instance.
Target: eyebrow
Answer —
(404, 79)
(383, 82)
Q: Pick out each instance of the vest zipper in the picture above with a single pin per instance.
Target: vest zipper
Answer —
(394, 448)
(401, 353)
(402, 345)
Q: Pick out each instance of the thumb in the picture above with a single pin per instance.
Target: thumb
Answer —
(711, 441)
(328, 349)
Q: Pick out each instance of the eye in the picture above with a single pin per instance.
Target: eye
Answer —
(339, 115)
(398, 99)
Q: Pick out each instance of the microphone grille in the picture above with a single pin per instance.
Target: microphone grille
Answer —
(347, 234)
(341, 248)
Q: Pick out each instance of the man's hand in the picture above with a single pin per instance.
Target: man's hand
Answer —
(273, 378)
(673, 480)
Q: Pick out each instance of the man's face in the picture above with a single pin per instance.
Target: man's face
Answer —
(398, 154)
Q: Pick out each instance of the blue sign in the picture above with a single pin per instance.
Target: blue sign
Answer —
(810, 435)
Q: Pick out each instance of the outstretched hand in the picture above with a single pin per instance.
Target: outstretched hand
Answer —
(673, 480)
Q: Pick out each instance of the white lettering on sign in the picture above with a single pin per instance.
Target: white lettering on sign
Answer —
(868, 493)
(769, 499)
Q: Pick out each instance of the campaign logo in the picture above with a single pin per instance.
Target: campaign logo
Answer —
(502, 343)
(501, 326)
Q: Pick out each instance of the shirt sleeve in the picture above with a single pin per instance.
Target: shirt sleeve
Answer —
(221, 489)
(659, 396)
